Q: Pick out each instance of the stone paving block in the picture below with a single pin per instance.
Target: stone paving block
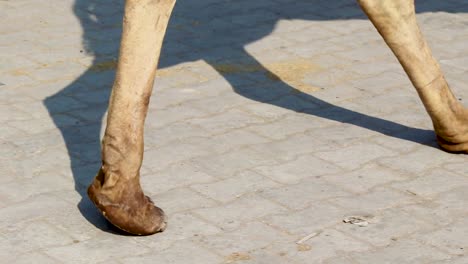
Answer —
(326, 244)
(294, 171)
(453, 260)
(16, 78)
(55, 72)
(232, 215)
(10, 173)
(377, 199)
(6, 132)
(365, 53)
(234, 187)
(347, 158)
(260, 256)
(38, 126)
(441, 210)
(157, 137)
(220, 103)
(10, 113)
(335, 92)
(12, 96)
(182, 252)
(386, 227)
(378, 67)
(31, 209)
(432, 183)
(451, 238)
(405, 251)
(235, 139)
(459, 168)
(354, 34)
(251, 236)
(171, 200)
(184, 227)
(444, 54)
(163, 117)
(50, 160)
(45, 236)
(309, 191)
(10, 61)
(161, 158)
(180, 174)
(331, 77)
(289, 125)
(339, 260)
(185, 94)
(420, 160)
(364, 179)
(97, 250)
(293, 146)
(342, 135)
(228, 164)
(413, 119)
(390, 101)
(8, 150)
(80, 220)
(225, 142)
(25, 258)
(264, 90)
(304, 222)
(231, 119)
(406, 141)
(31, 187)
(90, 114)
(268, 43)
(381, 82)
(203, 69)
(93, 96)
(187, 226)
(310, 34)
(320, 47)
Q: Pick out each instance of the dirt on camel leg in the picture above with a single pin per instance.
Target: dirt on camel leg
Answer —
(116, 190)
(396, 22)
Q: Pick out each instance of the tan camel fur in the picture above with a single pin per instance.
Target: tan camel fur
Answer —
(116, 190)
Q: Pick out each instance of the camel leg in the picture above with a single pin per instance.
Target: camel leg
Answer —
(396, 22)
(116, 190)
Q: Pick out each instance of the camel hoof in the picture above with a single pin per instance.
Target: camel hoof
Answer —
(127, 208)
(458, 148)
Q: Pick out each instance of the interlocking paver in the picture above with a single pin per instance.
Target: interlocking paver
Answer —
(271, 121)
(432, 183)
(294, 171)
(406, 251)
(309, 220)
(387, 227)
(376, 199)
(364, 179)
(326, 244)
(450, 238)
(234, 187)
(231, 216)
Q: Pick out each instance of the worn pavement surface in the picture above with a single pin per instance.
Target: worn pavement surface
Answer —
(271, 123)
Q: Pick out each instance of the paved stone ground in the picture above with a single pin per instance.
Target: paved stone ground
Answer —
(271, 122)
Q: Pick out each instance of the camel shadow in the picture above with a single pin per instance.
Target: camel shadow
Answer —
(227, 27)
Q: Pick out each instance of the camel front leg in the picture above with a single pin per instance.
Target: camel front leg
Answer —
(396, 22)
(116, 190)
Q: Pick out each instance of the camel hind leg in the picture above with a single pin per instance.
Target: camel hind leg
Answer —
(396, 22)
